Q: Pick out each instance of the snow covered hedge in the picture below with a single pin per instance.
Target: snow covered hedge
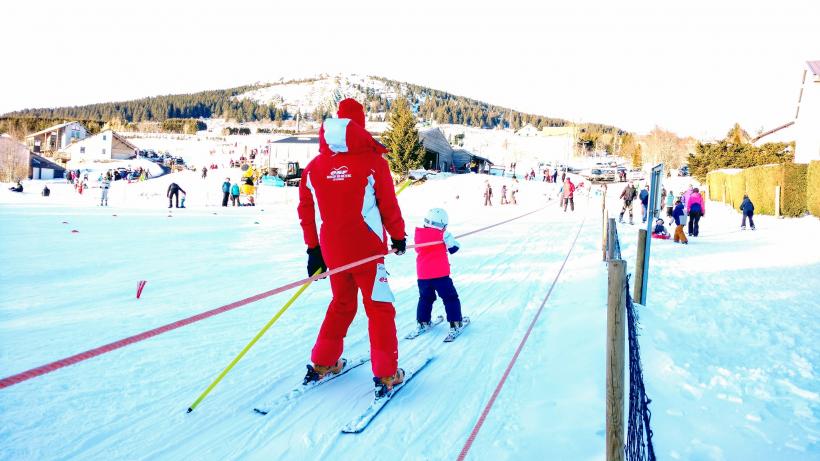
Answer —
(813, 188)
(759, 183)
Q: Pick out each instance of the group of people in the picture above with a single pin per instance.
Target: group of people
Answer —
(359, 211)
(234, 191)
(686, 209)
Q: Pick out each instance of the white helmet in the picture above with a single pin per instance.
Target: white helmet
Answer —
(437, 218)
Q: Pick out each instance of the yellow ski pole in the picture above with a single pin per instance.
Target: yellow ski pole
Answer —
(250, 344)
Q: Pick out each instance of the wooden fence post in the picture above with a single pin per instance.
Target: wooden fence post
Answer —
(638, 291)
(777, 201)
(611, 229)
(616, 306)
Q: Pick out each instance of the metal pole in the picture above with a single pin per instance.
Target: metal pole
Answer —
(616, 305)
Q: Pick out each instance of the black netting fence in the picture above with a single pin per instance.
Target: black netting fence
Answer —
(638, 432)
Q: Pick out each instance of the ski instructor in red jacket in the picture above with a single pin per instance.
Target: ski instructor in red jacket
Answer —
(350, 182)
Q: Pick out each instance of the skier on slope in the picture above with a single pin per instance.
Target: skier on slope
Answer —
(569, 193)
(433, 270)
(628, 195)
(350, 182)
(644, 197)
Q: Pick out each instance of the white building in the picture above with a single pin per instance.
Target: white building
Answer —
(528, 130)
(807, 116)
(56, 138)
(102, 147)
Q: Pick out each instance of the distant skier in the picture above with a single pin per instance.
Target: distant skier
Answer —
(680, 220)
(514, 192)
(628, 195)
(670, 202)
(697, 209)
(46, 191)
(748, 210)
(569, 193)
(433, 269)
(105, 184)
(555, 176)
(350, 183)
(173, 194)
(17, 187)
(235, 194)
(644, 197)
(488, 194)
(504, 195)
(226, 191)
(182, 202)
(204, 172)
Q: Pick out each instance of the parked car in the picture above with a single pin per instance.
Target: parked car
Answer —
(635, 175)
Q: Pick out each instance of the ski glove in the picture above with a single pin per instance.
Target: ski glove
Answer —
(315, 261)
(452, 250)
(399, 245)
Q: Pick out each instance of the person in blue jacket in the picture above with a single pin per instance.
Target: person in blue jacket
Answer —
(748, 210)
(235, 194)
(644, 196)
(680, 220)
(226, 191)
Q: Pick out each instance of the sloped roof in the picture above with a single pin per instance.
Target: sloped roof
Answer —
(814, 66)
(42, 162)
(434, 140)
(122, 140)
(52, 128)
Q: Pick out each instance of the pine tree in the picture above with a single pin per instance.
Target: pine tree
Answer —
(402, 140)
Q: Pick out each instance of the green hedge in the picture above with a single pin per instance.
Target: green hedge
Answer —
(760, 182)
(813, 188)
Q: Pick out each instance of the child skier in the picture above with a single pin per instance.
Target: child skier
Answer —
(679, 215)
(433, 270)
(748, 210)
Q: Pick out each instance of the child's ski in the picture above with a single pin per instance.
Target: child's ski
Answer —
(301, 389)
(421, 330)
(362, 421)
(455, 332)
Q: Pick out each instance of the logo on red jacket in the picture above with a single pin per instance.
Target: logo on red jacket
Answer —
(339, 174)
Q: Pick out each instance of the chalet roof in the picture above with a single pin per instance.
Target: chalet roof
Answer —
(39, 161)
(434, 140)
(298, 140)
(51, 128)
(814, 66)
(772, 131)
(122, 140)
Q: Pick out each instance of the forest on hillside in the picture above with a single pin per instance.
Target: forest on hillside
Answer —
(429, 105)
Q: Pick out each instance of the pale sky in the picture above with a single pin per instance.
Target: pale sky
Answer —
(692, 67)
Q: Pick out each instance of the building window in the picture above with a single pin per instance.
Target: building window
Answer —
(103, 150)
(82, 150)
(103, 140)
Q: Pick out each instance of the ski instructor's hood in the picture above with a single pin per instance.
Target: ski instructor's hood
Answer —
(346, 134)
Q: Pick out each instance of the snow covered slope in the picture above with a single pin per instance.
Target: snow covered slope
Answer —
(729, 338)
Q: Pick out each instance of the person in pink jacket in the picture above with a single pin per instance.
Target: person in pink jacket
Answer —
(696, 208)
(433, 269)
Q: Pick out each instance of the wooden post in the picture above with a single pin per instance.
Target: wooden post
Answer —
(610, 247)
(777, 201)
(616, 307)
(639, 260)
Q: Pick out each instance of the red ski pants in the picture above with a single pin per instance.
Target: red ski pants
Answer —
(381, 321)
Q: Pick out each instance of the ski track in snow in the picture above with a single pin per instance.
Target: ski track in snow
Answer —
(728, 339)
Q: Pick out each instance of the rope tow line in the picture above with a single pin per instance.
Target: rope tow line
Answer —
(497, 391)
(91, 353)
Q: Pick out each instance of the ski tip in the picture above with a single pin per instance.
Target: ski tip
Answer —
(261, 412)
(190, 410)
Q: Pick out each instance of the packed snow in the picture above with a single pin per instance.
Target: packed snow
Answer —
(729, 335)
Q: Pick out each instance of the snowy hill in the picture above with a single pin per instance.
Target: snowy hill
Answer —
(730, 337)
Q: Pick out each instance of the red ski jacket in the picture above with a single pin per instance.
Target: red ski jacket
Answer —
(350, 182)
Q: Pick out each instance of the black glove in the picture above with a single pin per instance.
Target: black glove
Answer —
(315, 261)
(399, 245)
